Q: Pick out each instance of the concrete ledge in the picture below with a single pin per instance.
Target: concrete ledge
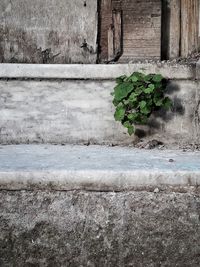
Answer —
(90, 71)
(95, 168)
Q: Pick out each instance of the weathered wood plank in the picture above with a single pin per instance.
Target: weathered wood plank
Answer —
(141, 21)
(171, 28)
(117, 25)
(189, 26)
(175, 29)
(105, 24)
(110, 43)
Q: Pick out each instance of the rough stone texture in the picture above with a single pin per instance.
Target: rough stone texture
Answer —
(48, 31)
(97, 168)
(76, 111)
(99, 229)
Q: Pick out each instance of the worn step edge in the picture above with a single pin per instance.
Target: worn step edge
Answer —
(93, 180)
(94, 71)
(96, 168)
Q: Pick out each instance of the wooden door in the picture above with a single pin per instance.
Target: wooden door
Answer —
(130, 30)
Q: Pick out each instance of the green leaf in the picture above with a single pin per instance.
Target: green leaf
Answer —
(167, 103)
(122, 90)
(139, 90)
(140, 76)
(131, 116)
(119, 113)
(142, 104)
(133, 78)
(131, 130)
(146, 110)
(121, 79)
(158, 102)
(127, 124)
(133, 104)
(143, 119)
(136, 96)
(148, 77)
(130, 127)
(157, 78)
(126, 102)
(149, 89)
(152, 87)
(133, 97)
(115, 102)
(159, 85)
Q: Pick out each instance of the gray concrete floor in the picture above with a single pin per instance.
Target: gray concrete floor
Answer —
(68, 157)
(95, 167)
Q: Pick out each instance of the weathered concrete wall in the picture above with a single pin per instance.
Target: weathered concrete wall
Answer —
(48, 31)
(62, 229)
(76, 111)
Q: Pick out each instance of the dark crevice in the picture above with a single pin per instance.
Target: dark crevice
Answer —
(98, 31)
(165, 30)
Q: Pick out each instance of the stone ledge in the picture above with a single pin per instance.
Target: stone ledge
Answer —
(95, 168)
(93, 71)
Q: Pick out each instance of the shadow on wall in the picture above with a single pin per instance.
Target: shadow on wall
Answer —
(159, 118)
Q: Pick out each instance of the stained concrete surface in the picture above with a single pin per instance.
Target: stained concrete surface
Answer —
(61, 229)
(98, 206)
(48, 31)
(81, 112)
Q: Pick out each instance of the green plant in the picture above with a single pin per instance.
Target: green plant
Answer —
(136, 97)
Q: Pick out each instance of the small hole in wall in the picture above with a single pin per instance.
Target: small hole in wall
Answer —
(85, 4)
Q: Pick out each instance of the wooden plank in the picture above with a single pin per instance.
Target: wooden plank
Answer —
(175, 28)
(199, 27)
(189, 26)
(110, 43)
(184, 28)
(195, 26)
(117, 24)
(141, 21)
(104, 28)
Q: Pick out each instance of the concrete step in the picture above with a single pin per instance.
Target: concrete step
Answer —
(98, 206)
(96, 168)
(72, 104)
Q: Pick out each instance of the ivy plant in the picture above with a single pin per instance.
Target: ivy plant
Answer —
(137, 96)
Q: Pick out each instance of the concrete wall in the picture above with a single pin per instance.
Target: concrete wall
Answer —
(81, 111)
(48, 31)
